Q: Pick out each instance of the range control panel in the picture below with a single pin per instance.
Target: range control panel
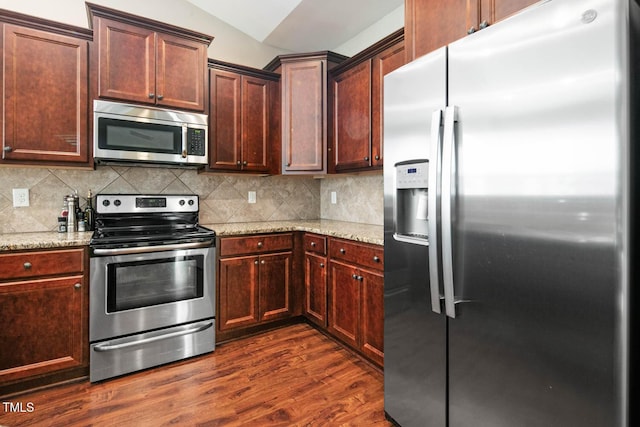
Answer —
(145, 203)
(413, 174)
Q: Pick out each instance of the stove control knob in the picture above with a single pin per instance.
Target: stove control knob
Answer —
(191, 202)
(117, 202)
(182, 202)
(106, 203)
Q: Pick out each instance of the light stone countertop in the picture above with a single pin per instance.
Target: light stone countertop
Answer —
(42, 240)
(366, 233)
(358, 232)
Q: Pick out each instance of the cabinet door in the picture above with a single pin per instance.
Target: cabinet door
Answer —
(303, 116)
(255, 124)
(432, 24)
(41, 326)
(224, 129)
(238, 295)
(344, 303)
(383, 63)
(180, 72)
(372, 318)
(127, 62)
(275, 286)
(351, 92)
(315, 281)
(493, 11)
(45, 102)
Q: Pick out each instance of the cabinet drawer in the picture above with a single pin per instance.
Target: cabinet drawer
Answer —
(363, 254)
(42, 263)
(255, 244)
(315, 243)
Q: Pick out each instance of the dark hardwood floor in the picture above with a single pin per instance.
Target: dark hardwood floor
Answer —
(293, 376)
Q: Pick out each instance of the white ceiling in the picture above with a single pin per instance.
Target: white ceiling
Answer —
(300, 25)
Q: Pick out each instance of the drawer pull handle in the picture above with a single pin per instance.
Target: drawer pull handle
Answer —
(376, 258)
(259, 244)
(27, 265)
(342, 251)
(77, 286)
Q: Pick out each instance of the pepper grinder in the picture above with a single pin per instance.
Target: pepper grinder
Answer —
(72, 224)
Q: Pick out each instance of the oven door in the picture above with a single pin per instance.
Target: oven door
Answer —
(141, 291)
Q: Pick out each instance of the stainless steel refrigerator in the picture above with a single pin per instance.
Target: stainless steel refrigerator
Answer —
(509, 188)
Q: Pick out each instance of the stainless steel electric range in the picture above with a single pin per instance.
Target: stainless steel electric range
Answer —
(152, 283)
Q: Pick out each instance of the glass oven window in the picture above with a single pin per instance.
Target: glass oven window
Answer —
(139, 284)
(125, 135)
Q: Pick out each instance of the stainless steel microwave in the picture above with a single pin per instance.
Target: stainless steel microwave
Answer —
(125, 133)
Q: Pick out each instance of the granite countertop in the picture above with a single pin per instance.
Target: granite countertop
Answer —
(42, 240)
(366, 233)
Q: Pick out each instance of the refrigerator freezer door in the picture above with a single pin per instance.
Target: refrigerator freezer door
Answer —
(415, 336)
(536, 228)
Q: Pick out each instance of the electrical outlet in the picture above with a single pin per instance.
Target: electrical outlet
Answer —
(252, 196)
(334, 198)
(20, 197)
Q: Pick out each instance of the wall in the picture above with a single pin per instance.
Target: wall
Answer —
(359, 198)
(387, 25)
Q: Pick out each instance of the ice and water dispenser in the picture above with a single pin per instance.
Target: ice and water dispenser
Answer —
(411, 201)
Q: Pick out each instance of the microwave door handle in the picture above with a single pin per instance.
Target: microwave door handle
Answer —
(185, 153)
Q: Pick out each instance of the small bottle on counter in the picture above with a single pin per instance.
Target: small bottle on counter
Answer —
(65, 207)
(71, 217)
(89, 213)
(62, 224)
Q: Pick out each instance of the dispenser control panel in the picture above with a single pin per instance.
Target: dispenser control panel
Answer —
(412, 175)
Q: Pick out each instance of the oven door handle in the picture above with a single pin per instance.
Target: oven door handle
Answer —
(157, 248)
(113, 347)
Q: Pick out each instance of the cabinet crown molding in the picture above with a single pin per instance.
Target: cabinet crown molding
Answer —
(94, 10)
(15, 18)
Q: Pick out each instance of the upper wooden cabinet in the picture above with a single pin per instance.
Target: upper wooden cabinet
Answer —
(45, 103)
(356, 94)
(149, 62)
(304, 110)
(432, 24)
(244, 119)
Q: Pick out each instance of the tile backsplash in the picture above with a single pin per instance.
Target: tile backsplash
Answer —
(223, 198)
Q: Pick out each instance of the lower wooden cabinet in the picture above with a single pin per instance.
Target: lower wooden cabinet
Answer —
(355, 310)
(254, 281)
(315, 278)
(43, 326)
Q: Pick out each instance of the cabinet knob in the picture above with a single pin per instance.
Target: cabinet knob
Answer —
(484, 24)
(27, 265)
(262, 262)
(288, 163)
(77, 286)
(342, 251)
(255, 262)
(7, 149)
(322, 265)
(259, 244)
(313, 244)
(377, 157)
(471, 30)
(354, 276)
(238, 163)
(366, 159)
(245, 163)
(160, 97)
(360, 278)
(152, 95)
(376, 258)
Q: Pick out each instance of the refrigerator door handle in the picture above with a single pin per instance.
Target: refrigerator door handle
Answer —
(448, 171)
(433, 208)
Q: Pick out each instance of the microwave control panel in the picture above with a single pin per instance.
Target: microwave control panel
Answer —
(412, 175)
(196, 140)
